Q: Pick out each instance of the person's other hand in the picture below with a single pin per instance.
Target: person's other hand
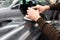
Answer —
(41, 8)
(33, 14)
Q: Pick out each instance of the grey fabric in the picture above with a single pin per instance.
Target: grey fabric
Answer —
(19, 29)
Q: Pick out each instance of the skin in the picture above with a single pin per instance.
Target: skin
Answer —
(52, 1)
(41, 8)
(34, 14)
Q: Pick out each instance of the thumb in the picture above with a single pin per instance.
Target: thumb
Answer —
(35, 7)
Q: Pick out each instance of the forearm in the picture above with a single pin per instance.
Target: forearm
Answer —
(55, 6)
(48, 30)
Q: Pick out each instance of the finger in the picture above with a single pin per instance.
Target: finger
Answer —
(35, 7)
(28, 11)
(27, 16)
(29, 8)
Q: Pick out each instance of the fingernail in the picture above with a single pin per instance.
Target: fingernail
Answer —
(28, 7)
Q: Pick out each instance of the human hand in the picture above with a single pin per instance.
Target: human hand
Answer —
(41, 8)
(33, 14)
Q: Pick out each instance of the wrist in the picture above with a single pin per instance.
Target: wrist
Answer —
(37, 18)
